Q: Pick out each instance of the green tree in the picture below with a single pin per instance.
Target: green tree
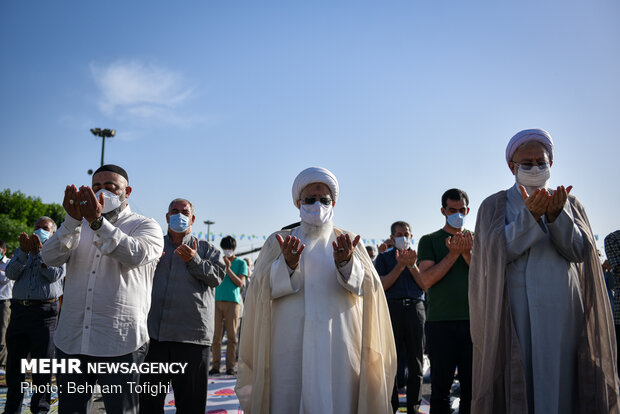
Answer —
(19, 213)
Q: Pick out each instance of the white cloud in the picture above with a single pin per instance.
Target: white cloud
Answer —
(138, 90)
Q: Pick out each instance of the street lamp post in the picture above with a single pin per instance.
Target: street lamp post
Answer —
(103, 133)
(208, 223)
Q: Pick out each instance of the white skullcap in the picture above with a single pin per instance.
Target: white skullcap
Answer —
(527, 135)
(314, 175)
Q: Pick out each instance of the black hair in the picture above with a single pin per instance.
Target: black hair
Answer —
(228, 242)
(454, 194)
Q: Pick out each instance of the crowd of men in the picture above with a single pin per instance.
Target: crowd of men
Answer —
(517, 309)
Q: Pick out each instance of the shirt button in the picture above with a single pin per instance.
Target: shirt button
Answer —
(97, 255)
(88, 308)
(90, 290)
(93, 271)
(86, 327)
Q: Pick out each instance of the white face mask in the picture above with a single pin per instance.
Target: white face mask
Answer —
(111, 201)
(534, 177)
(316, 214)
(402, 243)
(228, 252)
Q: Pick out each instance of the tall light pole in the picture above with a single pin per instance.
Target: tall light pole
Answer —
(103, 133)
(208, 223)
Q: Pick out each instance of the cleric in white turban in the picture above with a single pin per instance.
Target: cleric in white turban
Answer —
(316, 334)
(540, 319)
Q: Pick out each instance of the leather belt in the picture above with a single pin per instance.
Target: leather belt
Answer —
(34, 302)
(405, 301)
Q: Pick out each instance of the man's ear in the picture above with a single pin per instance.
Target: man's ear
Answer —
(511, 165)
(443, 211)
(193, 220)
(168, 218)
(467, 211)
(128, 190)
(298, 204)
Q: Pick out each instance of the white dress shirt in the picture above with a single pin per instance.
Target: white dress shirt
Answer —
(6, 284)
(108, 283)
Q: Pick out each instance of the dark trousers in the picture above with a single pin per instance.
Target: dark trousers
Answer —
(120, 399)
(449, 346)
(30, 332)
(190, 387)
(408, 316)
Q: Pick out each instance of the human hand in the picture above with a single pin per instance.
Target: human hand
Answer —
(25, 243)
(185, 252)
(557, 202)
(406, 257)
(291, 250)
(71, 203)
(456, 243)
(90, 207)
(227, 262)
(35, 243)
(468, 242)
(343, 247)
(536, 203)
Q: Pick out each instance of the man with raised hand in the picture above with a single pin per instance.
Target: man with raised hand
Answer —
(443, 258)
(111, 254)
(540, 317)
(316, 337)
(181, 317)
(34, 313)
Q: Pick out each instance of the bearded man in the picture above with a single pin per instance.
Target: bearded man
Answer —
(540, 320)
(316, 336)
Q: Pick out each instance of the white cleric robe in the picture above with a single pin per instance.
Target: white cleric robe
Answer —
(546, 303)
(316, 328)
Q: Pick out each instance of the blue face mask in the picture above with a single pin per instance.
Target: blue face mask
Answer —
(43, 234)
(456, 220)
(179, 223)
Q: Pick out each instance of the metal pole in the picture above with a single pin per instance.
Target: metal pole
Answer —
(102, 149)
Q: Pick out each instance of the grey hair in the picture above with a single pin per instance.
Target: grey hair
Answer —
(176, 200)
(54, 226)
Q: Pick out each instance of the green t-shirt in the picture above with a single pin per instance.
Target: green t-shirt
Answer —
(227, 291)
(447, 299)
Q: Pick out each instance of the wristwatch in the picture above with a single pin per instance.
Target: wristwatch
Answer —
(96, 223)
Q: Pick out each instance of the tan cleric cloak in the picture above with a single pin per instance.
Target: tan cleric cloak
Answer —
(378, 357)
(498, 377)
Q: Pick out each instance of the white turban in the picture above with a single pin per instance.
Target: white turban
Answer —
(527, 135)
(314, 175)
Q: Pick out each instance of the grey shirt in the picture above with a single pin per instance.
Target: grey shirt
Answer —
(183, 297)
(33, 280)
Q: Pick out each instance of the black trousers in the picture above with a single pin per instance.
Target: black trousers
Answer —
(449, 346)
(190, 387)
(408, 316)
(31, 331)
(126, 401)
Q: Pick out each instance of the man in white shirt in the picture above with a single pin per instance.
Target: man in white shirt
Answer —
(6, 286)
(111, 254)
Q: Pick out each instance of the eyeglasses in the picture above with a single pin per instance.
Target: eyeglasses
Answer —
(527, 166)
(323, 200)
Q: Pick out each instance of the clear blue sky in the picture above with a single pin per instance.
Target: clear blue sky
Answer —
(225, 102)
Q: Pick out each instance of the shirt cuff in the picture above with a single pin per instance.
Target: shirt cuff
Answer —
(70, 223)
